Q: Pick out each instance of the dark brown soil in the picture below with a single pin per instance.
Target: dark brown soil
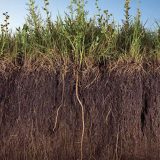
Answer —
(41, 118)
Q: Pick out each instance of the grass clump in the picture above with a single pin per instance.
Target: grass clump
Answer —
(78, 37)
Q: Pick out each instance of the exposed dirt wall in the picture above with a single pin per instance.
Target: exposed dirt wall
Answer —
(41, 117)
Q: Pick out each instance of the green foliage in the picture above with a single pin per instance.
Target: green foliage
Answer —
(78, 37)
(4, 37)
(157, 39)
(127, 16)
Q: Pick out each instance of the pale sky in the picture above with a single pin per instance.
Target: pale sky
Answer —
(18, 9)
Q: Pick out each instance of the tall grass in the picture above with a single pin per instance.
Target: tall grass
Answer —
(78, 37)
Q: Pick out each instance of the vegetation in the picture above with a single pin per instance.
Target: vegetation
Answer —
(78, 38)
(79, 41)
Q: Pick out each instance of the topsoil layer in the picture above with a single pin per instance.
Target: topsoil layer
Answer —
(41, 115)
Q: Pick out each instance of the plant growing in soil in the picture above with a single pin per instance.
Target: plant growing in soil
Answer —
(66, 54)
(77, 37)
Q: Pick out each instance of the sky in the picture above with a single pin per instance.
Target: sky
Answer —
(17, 9)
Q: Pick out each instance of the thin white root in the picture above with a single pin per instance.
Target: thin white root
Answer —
(56, 120)
(108, 115)
(57, 113)
(82, 111)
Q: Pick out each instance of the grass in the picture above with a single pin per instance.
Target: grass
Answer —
(77, 37)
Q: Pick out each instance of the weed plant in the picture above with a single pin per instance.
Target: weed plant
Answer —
(78, 37)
